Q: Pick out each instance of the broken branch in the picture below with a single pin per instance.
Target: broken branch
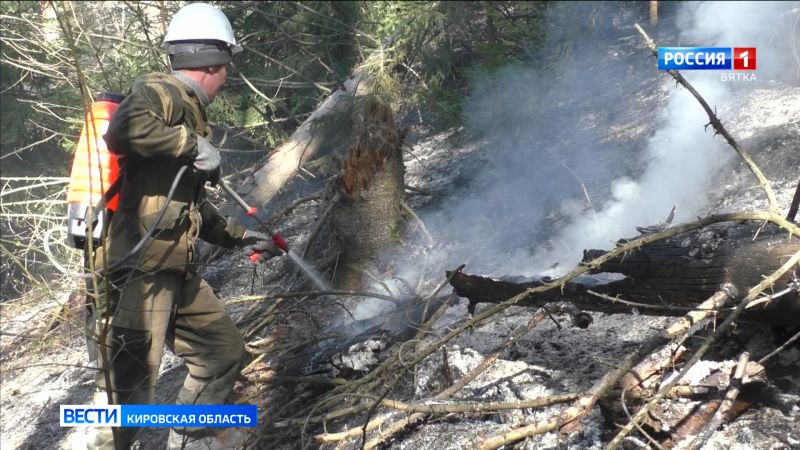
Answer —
(754, 292)
(477, 407)
(312, 294)
(721, 413)
(718, 128)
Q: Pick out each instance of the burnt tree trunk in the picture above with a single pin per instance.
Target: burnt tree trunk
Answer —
(792, 214)
(680, 271)
(366, 219)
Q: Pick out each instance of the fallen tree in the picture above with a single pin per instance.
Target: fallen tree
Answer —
(319, 134)
(667, 276)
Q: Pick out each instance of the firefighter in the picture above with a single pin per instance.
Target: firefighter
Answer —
(155, 295)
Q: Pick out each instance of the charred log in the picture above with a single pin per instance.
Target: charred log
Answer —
(478, 289)
(679, 271)
(685, 269)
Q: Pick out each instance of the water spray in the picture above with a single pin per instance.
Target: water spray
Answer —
(277, 239)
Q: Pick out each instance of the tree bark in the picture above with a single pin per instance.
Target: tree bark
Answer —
(679, 271)
(366, 219)
(320, 133)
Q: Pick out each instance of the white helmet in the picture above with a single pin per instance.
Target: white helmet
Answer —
(200, 23)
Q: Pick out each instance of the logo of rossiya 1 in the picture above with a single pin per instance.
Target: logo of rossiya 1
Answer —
(742, 60)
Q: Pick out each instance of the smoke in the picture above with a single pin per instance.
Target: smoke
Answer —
(681, 161)
(772, 27)
(578, 158)
(682, 158)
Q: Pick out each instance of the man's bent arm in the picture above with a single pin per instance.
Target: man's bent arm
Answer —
(148, 124)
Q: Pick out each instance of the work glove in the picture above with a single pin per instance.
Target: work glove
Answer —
(207, 160)
(255, 243)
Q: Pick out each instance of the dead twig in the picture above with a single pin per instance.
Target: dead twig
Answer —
(638, 427)
(779, 349)
(792, 214)
(457, 407)
(616, 299)
(419, 221)
(419, 190)
(338, 414)
(313, 294)
(292, 206)
(269, 318)
(321, 221)
(477, 407)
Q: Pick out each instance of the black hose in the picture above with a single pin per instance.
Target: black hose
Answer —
(795, 205)
(152, 229)
(135, 248)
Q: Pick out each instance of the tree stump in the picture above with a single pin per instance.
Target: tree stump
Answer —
(366, 220)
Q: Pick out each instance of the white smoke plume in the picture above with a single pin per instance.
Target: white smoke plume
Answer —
(682, 160)
(562, 174)
(682, 156)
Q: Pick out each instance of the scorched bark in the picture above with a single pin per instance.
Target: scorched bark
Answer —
(679, 271)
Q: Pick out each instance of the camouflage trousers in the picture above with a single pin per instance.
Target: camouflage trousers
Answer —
(140, 313)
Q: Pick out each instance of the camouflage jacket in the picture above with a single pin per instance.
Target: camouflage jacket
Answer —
(154, 133)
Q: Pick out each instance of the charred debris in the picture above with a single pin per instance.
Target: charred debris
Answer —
(353, 387)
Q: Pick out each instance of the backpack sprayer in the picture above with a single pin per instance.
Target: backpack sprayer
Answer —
(93, 193)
